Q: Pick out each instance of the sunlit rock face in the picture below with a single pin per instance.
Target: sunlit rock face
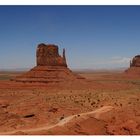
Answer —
(48, 55)
(50, 67)
(134, 66)
(135, 61)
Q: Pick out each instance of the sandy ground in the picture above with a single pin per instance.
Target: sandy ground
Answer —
(103, 104)
(64, 121)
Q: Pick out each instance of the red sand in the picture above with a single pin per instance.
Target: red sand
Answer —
(25, 106)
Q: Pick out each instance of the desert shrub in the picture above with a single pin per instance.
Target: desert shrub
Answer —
(76, 101)
(61, 118)
(92, 103)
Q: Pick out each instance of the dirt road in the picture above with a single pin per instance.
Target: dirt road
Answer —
(96, 113)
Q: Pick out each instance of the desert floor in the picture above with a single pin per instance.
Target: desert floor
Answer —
(106, 103)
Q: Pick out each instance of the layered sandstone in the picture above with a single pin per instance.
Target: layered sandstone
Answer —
(134, 66)
(51, 67)
(48, 55)
(135, 61)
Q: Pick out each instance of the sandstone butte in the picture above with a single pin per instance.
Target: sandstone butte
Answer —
(50, 67)
(134, 66)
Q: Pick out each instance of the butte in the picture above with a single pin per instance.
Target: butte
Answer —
(50, 67)
(134, 66)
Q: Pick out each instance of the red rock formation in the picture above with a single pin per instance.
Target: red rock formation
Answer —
(47, 55)
(135, 61)
(134, 66)
(51, 67)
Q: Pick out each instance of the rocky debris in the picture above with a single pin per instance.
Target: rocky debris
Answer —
(51, 67)
(54, 110)
(9, 120)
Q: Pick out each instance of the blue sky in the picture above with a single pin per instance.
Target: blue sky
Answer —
(94, 36)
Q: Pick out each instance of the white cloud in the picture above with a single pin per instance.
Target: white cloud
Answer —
(120, 60)
(112, 62)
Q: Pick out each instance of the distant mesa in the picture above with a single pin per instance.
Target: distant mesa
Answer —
(50, 67)
(134, 66)
(135, 61)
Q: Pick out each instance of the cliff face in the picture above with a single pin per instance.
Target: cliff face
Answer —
(134, 66)
(51, 67)
(48, 55)
(135, 61)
